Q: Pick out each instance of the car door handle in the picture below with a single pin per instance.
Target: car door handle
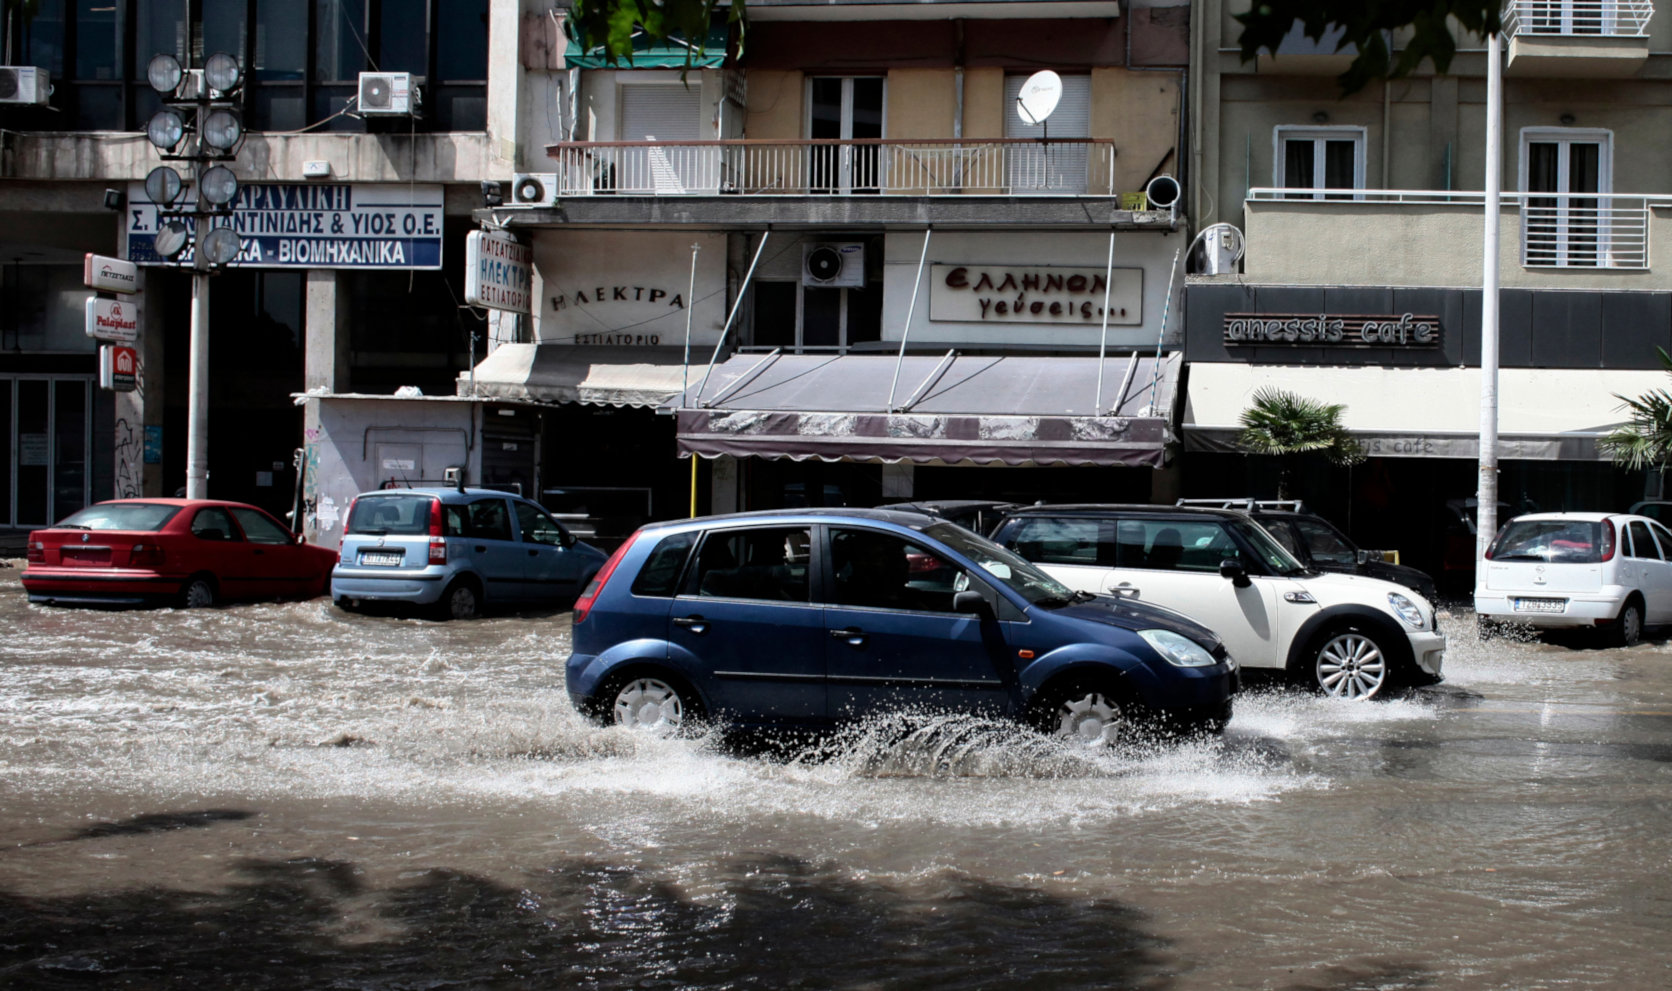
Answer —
(1124, 588)
(533, 552)
(480, 548)
(696, 624)
(853, 635)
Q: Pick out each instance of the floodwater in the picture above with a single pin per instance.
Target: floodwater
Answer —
(287, 796)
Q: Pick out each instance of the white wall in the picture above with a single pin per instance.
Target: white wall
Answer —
(628, 287)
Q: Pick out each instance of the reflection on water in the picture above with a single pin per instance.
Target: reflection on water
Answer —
(288, 796)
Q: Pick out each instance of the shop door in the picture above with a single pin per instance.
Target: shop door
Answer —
(45, 424)
(508, 449)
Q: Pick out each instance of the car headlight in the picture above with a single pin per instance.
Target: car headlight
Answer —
(1177, 649)
(1406, 610)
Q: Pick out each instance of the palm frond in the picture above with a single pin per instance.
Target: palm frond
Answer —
(1282, 423)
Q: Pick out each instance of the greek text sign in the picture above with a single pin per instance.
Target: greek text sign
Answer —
(317, 225)
(109, 274)
(1322, 329)
(498, 271)
(1035, 294)
(112, 319)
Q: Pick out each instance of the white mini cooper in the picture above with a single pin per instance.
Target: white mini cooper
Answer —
(1611, 572)
(1348, 635)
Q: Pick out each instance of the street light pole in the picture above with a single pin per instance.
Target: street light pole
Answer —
(1486, 494)
(197, 414)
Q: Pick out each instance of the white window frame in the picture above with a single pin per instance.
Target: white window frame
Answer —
(843, 345)
(1318, 135)
(845, 167)
(1565, 137)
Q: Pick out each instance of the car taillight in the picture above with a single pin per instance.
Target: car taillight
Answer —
(438, 552)
(146, 556)
(36, 552)
(438, 547)
(1608, 540)
(583, 605)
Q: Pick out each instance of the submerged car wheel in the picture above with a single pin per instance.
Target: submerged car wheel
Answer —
(1349, 664)
(651, 705)
(1084, 713)
(1628, 628)
(459, 601)
(197, 593)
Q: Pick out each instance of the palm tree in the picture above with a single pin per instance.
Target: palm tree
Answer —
(1288, 426)
(1645, 442)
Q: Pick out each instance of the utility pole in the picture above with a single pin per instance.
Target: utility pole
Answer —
(200, 125)
(1486, 494)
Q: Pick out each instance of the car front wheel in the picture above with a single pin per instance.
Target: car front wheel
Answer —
(1349, 664)
(1083, 713)
(652, 705)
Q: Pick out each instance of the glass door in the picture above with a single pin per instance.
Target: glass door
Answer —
(45, 425)
(845, 109)
(1564, 229)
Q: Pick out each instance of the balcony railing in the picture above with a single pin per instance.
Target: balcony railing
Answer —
(883, 167)
(1558, 230)
(1574, 18)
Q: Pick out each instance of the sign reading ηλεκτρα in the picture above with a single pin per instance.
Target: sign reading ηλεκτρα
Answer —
(498, 272)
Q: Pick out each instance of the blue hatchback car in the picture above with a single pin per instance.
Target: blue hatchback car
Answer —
(804, 618)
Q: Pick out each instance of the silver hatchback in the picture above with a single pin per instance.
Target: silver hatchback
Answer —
(457, 550)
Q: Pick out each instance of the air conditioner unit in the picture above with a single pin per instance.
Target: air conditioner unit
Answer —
(534, 188)
(26, 84)
(833, 264)
(387, 94)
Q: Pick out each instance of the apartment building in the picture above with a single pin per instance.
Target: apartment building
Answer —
(1363, 219)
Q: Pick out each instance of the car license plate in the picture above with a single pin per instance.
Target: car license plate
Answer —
(381, 559)
(1539, 605)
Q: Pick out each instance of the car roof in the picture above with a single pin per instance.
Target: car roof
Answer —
(898, 517)
(442, 491)
(1586, 517)
(946, 504)
(1129, 509)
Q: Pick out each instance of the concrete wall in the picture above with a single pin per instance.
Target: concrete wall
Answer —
(1139, 111)
(775, 103)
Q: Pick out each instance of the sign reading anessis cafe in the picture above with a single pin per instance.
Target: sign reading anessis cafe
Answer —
(1035, 294)
(1322, 329)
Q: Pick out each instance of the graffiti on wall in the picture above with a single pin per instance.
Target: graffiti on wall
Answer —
(130, 460)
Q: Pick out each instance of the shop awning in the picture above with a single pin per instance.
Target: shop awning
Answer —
(948, 409)
(648, 54)
(1547, 414)
(568, 373)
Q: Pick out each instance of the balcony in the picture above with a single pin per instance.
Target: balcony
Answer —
(1589, 39)
(1433, 238)
(861, 181)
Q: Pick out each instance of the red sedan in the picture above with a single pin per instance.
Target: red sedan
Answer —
(189, 552)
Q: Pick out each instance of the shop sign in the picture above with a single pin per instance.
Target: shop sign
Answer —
(998, 294)
(109, 274)
(112, 319)
(118, 368)
(314, 225)
(1322, 329)
(498, 271)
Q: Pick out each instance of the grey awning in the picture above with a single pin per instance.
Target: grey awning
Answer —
(951, 410)
(568, 373)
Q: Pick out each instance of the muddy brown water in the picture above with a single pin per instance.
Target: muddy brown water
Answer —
(287, 796)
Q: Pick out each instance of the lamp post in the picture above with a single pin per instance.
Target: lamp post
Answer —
(1486, 494)
(200, 125)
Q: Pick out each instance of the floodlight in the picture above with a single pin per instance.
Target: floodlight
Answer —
(220, 246)
(164, 73)
(162, 185)
(222, 129)
(165, 129)
(221, 72)
(217, 186)
(171, 239)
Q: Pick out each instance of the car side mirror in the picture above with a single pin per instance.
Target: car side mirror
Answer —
(1363, 557)
(565, 538)
(1232, 568)
(301, 538)
(970, 601)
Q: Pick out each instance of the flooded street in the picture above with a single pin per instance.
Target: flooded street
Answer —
(288, 796)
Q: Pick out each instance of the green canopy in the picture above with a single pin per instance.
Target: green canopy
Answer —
(649, 54)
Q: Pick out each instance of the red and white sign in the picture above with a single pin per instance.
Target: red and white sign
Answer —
(113, 319)
(118, 368)
(109, 274)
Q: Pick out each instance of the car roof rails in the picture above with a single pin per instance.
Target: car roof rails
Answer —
(1248, 505)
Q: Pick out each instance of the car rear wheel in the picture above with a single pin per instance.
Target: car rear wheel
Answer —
(460, 601)
(652, 705)
(197, 593)
(1086, 713)
(1628, 627)
(1348, 663)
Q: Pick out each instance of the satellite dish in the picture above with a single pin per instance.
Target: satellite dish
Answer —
(1039, 96)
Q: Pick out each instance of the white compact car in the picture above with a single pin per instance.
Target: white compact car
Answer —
(1349, 635)
(1611, 572)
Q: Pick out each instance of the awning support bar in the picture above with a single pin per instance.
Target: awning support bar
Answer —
(905, 331)
(1166, 307)
(742, 380)
(737, 304)
(1131, 366)
(1103, 339)
(929, 382)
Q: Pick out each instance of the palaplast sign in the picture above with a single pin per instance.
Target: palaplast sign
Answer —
(312, 225)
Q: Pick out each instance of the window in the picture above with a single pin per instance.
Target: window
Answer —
(1569, 17)
(213, 524)
(769, 564)
(1641, 544)
(664, 112)
(259, 528)
(881, 571)
(1565, 228)
(537, 527)
(1065, 541)
(1049, 167)
(1177, 545)
(660, 574)
(1318, 159)
(1325, 544)
(845, 109)
(800, 318)
(486, 519)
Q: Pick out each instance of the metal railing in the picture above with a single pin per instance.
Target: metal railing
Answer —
(759, 167)
(1578, 18)
(1558, 230)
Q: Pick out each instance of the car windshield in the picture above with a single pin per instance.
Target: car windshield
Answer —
(121, 516)
(1266, 548)
(404, 512)
(1003, 566)
(1567, 541)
